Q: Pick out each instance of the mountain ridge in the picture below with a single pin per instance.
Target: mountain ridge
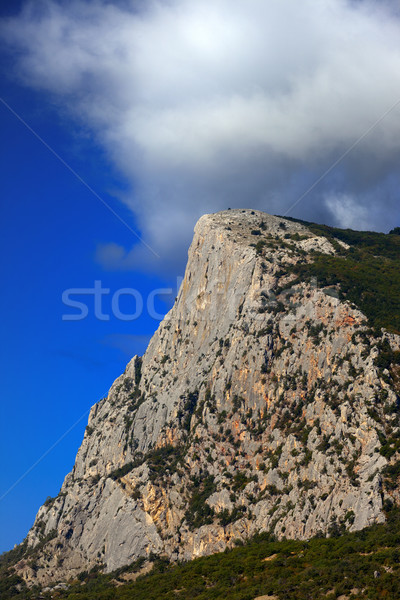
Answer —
(260, 405)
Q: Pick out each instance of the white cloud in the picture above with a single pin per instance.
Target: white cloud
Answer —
(204, 104)
(348, 213)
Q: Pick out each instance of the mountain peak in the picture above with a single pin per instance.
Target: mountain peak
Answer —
(260, 405)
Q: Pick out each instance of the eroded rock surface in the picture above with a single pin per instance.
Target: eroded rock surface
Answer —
(256, 407)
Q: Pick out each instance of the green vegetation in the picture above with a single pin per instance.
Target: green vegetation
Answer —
(371, 283)
(391, 475)
(161, 461)
(387, 356)
(368, 273)
(240, 480)
(259, 246)
(364, 564)
(122, 471)
(226, 517)
(164, 460)
(199, 512)
(138, 370)
(10, 583)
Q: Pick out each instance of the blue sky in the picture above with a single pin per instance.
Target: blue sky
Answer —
(54, 370)
(167, 110)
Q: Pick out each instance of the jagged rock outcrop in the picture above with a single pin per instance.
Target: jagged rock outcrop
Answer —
(257, 406)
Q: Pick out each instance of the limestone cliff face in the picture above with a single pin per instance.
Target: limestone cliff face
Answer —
(256, 407)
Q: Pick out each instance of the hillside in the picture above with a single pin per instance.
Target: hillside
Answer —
(266, 403)
(347, 565)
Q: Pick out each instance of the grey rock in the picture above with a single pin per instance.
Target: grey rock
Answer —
(263, 394)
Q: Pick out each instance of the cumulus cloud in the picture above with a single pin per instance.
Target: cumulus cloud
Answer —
(207, 104)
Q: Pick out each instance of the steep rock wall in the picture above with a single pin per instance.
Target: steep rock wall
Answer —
(256, 407)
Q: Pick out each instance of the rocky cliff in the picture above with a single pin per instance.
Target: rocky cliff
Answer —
(259, 405)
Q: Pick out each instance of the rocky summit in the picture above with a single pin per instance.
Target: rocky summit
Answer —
(265, 402)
